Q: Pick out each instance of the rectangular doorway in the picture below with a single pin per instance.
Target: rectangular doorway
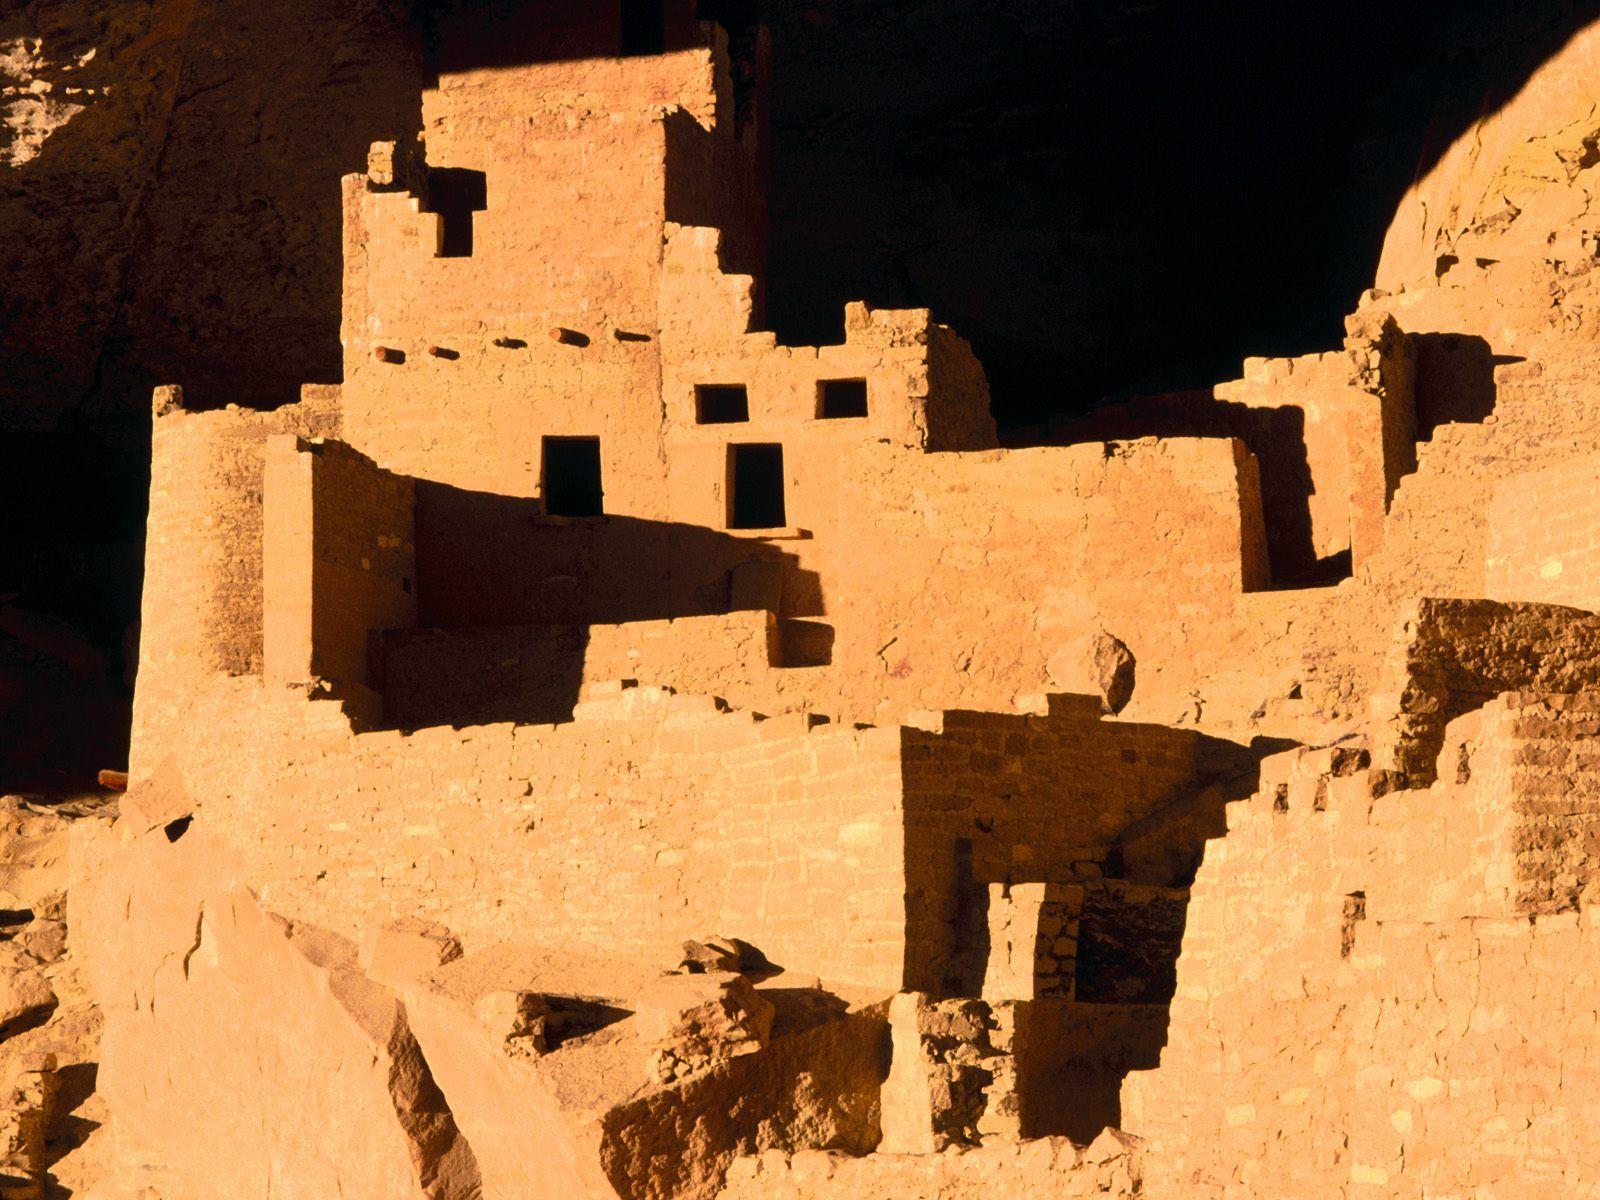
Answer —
(570, 473)
(755, 486)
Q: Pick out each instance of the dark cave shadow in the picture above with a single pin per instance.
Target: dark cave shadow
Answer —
(1184, 186)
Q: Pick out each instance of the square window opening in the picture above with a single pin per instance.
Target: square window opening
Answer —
(755, 487)
(721, 404)
(570, 473)
(455, 194)
(838, 398)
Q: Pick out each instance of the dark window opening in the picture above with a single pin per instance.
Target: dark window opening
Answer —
(644, 27)
(455, 194)
(721, 403)
(572, 477)
(755, 487)
(841, 398)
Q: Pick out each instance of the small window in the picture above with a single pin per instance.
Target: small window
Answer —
(841, 398)
(721, 404)
(455, 194)
(572, 477)
(755, 487)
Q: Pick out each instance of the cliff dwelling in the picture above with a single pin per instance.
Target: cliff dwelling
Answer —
(592, 728)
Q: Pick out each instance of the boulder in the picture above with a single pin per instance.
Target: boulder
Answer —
(244, 1056)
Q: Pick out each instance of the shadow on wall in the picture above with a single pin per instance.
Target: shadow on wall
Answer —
(1048, 861)
(1455, 379)
(506, 597)
(490, 559)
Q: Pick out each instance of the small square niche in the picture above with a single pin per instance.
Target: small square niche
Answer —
(838, 398)
(721, 404)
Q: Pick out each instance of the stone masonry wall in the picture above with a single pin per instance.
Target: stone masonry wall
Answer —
(1544, 535)
(993, 798)
(1452, 656)
(649, 819)
(1362, 991)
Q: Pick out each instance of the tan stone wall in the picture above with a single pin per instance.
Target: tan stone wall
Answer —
(1544, 535)
(941, 579)
(1050, 1168)
(1333, 433)
(647, 820)
(1361, 992)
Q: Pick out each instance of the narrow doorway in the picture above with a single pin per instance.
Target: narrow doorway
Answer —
(755, 486)
(571, 477)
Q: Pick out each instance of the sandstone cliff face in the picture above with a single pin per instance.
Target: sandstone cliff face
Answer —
(169, 192)
(1518, 180)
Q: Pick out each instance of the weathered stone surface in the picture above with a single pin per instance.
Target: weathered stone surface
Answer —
(25, 993)
(694, 1022)
(312, 1078)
